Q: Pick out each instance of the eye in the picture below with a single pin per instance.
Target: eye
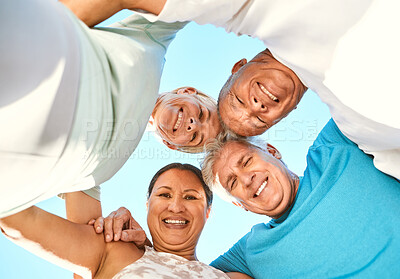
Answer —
(233, 184)
(165, 195)
(262, 121)
(201, 114)
(190, 197)
(240, 101)
(194, 136)
(247, 162)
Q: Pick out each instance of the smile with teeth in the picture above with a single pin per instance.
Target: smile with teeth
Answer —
(178, 222)
(179, 120)
(269, 94)
(262, 186)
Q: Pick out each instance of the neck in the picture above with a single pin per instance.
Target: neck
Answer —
(188, 253)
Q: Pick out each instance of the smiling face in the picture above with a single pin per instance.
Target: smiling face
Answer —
(177, 212)
(259, 94)
(257, 179)
(183, 118)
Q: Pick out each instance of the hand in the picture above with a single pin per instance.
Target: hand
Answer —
(120, 225)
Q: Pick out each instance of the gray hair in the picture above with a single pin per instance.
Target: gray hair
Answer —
(206, 100)
(213, 152)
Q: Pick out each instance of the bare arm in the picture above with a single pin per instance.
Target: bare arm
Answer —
(81, 208)
(72, 246)
(238, 275)
(93, 12)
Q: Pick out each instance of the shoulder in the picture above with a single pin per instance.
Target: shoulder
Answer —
(331, 135)
(118, 255)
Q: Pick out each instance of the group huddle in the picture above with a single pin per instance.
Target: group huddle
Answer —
(340, 219)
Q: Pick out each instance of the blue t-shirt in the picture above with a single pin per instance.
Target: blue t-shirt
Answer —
(345, 221)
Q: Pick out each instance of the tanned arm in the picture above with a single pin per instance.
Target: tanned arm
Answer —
(73, 246)
(238, 275)
(81, 208)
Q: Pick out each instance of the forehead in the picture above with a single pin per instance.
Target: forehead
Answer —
(184, 97)
(229, 156)
(178, 179)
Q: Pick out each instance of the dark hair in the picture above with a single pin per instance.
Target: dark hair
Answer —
(188, 167)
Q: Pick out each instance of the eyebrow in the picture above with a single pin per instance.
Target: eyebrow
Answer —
(167, 187)
(170, 188)
(231, 97)
(191, 190)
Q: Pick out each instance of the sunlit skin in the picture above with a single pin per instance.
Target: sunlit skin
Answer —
(178, 196)
(182, 119)
(259, 94)
(257, 178)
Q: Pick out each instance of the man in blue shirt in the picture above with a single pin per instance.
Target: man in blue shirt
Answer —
(341, 219)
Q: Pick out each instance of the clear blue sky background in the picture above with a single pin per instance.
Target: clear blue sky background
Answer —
(202, 57)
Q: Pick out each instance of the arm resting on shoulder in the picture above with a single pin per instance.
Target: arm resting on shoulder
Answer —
(237, 275)
(73, 246)
(92, 12)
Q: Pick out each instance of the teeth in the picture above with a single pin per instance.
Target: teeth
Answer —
(178, 122)
(168, 221)
(272, 97)
(261, 188)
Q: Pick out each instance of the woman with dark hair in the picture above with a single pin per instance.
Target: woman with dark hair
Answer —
(179, 203)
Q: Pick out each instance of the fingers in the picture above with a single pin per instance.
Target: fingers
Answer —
(99, 225)
(138, 236)
(108, 227)
(121, 221)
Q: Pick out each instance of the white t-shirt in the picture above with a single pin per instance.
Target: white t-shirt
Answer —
(345, 50)
(121, 67)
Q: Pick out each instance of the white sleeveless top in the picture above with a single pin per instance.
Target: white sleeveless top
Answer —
(155, 264)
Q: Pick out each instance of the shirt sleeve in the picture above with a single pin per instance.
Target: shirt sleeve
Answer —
(94, 192)
(234, 260)
(218, 13)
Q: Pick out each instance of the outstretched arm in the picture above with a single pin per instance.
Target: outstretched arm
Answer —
(72, 246)
(93, 12)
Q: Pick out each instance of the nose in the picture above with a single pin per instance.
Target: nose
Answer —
(176, 205)
(247, 178)
(192, 124)
(257, 104)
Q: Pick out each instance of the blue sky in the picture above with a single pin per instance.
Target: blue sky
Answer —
(202, 57)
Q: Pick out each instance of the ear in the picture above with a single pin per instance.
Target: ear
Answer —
(239, 65)
(208, 212)
(187, 90)
(147, 206)
(170, 145)
(273, 151)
